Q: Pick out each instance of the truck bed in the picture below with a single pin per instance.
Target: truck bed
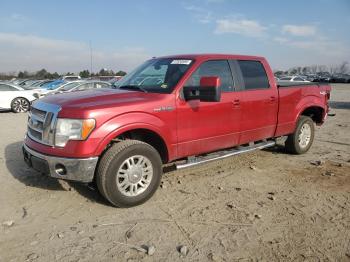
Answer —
(296, 84)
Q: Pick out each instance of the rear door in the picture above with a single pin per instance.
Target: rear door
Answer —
(7, 93)
(259, 103)
(209, 126)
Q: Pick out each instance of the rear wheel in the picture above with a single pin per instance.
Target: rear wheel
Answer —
(301, 140)
(129, 173)
(20, 105)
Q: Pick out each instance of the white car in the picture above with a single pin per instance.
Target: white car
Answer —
(293, 79)
(15, 98)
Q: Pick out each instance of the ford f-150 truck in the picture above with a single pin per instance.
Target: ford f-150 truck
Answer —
(186, 109)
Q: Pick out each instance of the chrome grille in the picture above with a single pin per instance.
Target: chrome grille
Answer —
(35, 134)
(38, 112)
(42, 121)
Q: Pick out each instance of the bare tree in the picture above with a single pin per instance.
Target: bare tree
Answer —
(332, 69)
(343, 68)
(306, 70)
(322, 68)
(313, 69)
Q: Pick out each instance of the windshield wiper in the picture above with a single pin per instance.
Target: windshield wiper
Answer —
(134, 87)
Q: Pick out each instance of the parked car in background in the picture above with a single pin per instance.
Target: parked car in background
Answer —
(41, 83)
(56, 87)
(106, 78)
(16, 98)
(17, 81)
(322, 79)
(70, 78)
(81, 85)
(27, 82)
(74, 86)
(340, 78)
(53, 85)
(114, 81)
(293, 79)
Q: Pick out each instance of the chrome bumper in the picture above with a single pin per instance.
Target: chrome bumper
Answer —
(76, 169)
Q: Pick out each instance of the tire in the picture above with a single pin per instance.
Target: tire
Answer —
(129, 173)
(20, 105)
(301, 140)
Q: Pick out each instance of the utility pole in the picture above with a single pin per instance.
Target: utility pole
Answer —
(90, 57)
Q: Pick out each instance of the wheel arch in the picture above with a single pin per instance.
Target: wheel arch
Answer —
(23, 97)
(141, 132)
(316, 113)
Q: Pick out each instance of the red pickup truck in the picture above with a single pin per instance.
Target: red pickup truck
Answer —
(181, 108)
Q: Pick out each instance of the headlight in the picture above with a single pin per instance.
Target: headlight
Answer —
(72, 129)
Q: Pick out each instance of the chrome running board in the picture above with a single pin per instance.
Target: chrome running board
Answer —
(224, 154)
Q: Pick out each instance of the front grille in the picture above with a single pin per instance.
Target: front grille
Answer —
(38, 112)
(35, 134)
(41, 122)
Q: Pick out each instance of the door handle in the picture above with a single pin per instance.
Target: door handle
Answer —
(236, 102)
(272, 98)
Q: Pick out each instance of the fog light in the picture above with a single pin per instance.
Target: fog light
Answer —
(60, 169)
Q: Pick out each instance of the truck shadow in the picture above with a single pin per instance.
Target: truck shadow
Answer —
(277, 149)
(29, 177)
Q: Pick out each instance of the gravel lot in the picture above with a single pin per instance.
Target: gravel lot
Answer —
(261, 206)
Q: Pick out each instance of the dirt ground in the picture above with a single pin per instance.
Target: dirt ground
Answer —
(260, 206)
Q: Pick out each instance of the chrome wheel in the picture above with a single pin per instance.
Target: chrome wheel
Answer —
(134, 175)
(20, 105)
(304, 135)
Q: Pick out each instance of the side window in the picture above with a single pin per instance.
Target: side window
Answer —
(219, 68)
(100, 85)
(85, 86)
(254, 75)
(7, 88)
(3, 87)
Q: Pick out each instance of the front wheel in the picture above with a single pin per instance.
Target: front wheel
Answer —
(20, 105)
(129, 173)
(301, 140)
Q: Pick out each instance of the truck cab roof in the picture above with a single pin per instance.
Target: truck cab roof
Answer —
(205, 56)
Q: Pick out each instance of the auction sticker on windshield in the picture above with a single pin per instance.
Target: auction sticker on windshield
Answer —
(181, 62)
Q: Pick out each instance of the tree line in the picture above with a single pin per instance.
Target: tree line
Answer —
(44, 74)
(342, 68)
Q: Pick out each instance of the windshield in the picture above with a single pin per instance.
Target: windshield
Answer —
(25, 87)
(156, 75)
(70, 86)
(54, 85)
(285, 78)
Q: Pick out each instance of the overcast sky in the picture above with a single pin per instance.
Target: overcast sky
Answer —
(56, 35)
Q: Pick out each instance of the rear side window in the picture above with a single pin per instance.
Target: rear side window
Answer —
(7, 88)
(218, 68)
(85, 86)
(254, 75)
(101, 85)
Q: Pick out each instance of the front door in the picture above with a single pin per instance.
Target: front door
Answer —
(209, 126)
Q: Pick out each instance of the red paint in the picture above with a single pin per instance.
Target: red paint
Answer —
(210, 81)
(191, 127)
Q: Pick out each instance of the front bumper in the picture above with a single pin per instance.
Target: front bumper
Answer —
(76, 169)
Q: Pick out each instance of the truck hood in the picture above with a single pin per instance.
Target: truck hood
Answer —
(103, 98)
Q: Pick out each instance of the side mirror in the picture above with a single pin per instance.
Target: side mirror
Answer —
(209, 89)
